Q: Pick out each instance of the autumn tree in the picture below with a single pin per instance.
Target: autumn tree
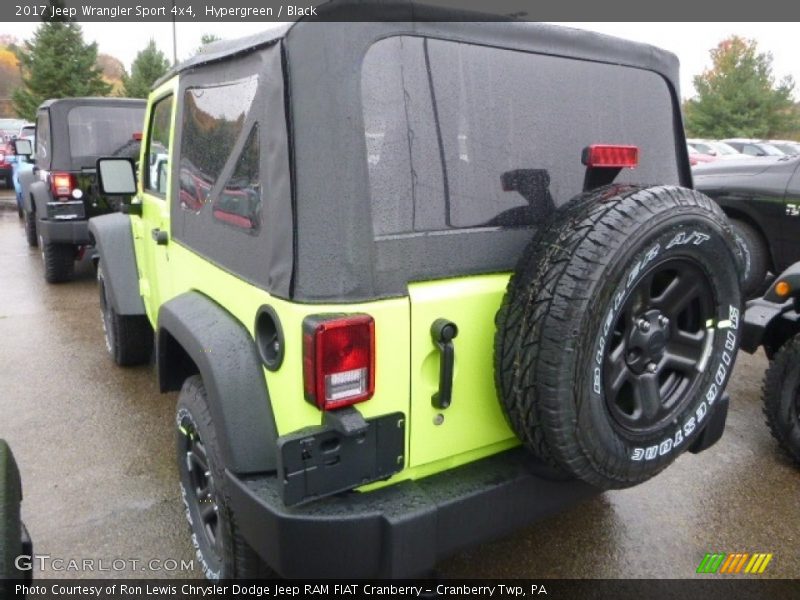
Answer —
(9, 79)
(56, 63)
(739, 95)
(148, 66)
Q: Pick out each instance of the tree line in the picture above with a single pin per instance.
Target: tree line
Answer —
(58, 63)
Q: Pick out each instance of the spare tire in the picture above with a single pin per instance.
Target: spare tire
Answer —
(618, 331)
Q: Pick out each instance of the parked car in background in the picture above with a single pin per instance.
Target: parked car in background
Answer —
(788, 147)
(753, 147)
(715, 148)
(27, 131)
(23, 165)
(696, 158)
(9, 129)
(7, 160)
(761, 196)
(61, 195)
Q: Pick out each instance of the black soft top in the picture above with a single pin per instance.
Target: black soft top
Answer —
(324, 247)
(60, 157)
(454, 24)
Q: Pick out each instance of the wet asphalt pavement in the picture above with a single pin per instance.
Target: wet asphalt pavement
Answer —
(95, 447)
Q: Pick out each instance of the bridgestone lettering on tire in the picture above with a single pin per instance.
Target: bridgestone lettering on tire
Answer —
(618, 331)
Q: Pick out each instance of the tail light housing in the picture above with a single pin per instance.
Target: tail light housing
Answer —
(338, 360)
(62, 185)
(610, 156)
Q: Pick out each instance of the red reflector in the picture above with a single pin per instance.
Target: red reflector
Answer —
(62, 184)
(338, 360)
(138, 136)
(610, 156)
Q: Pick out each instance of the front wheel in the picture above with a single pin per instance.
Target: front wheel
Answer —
(219, 546)
(756, 255)
(129, 338)
(30, 229)
(782, 398)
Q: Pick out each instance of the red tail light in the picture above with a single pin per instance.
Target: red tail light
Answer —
(338, 360)
(137, 136)
(610, 156)
(62, 184)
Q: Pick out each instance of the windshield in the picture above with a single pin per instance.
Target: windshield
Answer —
(96, 131)
(703, 148)
(788, 148)
(771, 150)
(723, 149)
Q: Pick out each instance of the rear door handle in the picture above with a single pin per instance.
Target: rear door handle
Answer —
(161, 237)
(443, 332)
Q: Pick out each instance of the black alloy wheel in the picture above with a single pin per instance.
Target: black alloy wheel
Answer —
(660, 344)
(201, 494)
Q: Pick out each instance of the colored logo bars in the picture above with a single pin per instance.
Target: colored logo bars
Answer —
(739, 562)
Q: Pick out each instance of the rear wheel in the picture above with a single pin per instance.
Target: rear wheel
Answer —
(30, 229)
(219, 545)
(781, 392)
(129, 338)
(618, 332)
(59, 261)
(756, 257)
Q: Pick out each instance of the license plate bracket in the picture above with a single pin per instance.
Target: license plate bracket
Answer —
(320, 461)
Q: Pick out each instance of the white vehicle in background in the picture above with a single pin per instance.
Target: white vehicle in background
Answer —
(752, 147)
(786, 146)
(720, 150)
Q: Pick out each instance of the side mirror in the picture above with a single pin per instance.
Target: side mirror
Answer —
(23, 148)
(116, 176)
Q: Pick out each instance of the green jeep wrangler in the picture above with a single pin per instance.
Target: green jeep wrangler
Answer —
(409, 289)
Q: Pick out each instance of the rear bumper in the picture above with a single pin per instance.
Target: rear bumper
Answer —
(64, 232)
(402, 530)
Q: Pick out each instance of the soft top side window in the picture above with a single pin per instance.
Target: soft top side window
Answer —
(213, 119)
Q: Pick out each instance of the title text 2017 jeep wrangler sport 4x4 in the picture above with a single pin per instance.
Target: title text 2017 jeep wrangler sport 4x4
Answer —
(325, 257)
(60, 194)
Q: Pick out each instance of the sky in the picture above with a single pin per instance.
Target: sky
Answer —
(689, 41)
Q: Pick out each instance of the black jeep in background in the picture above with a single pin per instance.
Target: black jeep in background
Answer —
(61, 193)
(761, 196)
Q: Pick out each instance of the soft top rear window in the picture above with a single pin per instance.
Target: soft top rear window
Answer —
(96, 131)
(460, 136)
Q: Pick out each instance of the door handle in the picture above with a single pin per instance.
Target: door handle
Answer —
(161, 237)
(443, 332)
